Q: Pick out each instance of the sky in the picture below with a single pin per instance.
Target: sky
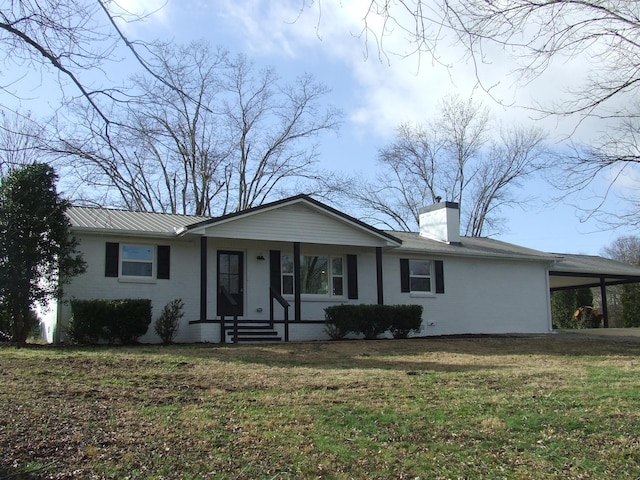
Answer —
(378, 91)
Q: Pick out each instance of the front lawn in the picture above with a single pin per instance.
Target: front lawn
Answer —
(509, 407)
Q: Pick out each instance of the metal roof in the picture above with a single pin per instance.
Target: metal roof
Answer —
(124, 221)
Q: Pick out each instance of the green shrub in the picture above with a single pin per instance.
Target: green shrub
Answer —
(168, 322)
(131, 319)
(405, 319)
(88, 322)
(341, 320)
(95, 321)
(372, 320)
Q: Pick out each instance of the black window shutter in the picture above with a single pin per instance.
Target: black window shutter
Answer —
(164, 262)
(111, 259)
(439, 276)
(275, 279)
(404, 275)
(352, 276)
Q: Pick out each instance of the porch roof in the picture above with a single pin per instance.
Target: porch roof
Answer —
(576, 271)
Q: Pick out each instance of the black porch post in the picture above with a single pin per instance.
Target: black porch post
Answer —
(203, 279)
(605, 309)
(297, 307)
(379, 275)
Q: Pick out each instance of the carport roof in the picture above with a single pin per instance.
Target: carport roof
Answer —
(575, 271)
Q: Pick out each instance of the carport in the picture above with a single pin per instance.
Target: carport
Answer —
(588, 271)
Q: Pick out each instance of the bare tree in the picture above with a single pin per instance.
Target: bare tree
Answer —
(518, 154)
(20, 141)
(451, 158)
(223, 137)
(604, 35)
(73, 39)
(613, 158)
(535, 32)
(272, 127)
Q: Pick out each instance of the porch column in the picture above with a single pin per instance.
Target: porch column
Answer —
(605, 309)
(203, 278)
(297, 307)
(379, 275)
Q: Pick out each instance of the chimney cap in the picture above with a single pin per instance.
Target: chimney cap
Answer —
(439, 205)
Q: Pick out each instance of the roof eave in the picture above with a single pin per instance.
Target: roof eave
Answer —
(124, 233)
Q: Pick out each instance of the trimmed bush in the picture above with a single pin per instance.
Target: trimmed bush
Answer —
(88, 322)
(131, 319)
(168, 322)
(372, 320)
(95, 321)
(405, 319)
(341, 320)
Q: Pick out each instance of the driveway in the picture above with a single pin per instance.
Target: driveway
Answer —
(630, 334)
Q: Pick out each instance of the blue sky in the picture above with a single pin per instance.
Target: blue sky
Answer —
(378, 92)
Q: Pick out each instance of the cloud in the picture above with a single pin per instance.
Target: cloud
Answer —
(135, 14)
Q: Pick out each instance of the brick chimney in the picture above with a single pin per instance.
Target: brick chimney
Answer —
(441, 222)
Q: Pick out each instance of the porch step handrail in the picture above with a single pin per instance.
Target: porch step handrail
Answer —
(227, 296)
(275, 295)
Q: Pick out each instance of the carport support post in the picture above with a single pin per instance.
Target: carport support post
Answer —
(379, 279)
(605, 310)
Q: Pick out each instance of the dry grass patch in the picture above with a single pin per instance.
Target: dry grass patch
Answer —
(538, 407)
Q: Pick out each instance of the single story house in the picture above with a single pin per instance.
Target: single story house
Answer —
(276, 267)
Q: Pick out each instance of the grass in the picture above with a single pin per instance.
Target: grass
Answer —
(519, 407)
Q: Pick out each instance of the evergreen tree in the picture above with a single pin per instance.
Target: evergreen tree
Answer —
(564, 304)
(630, 299)
(37, 252)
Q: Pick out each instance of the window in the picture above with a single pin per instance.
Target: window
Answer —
(137, 261)
(319, 275)
(421, 276)
(336, 275)
(287, 274)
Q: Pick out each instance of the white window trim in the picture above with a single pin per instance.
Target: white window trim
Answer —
(137, 278)
(423, 293)
(318, 296)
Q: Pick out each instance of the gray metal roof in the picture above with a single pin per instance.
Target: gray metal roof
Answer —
(123, 221)
(471, 247)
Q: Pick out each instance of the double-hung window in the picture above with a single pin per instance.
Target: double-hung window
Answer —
(131, 262)
(421, 276)
(319, 275)
(137, 261)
